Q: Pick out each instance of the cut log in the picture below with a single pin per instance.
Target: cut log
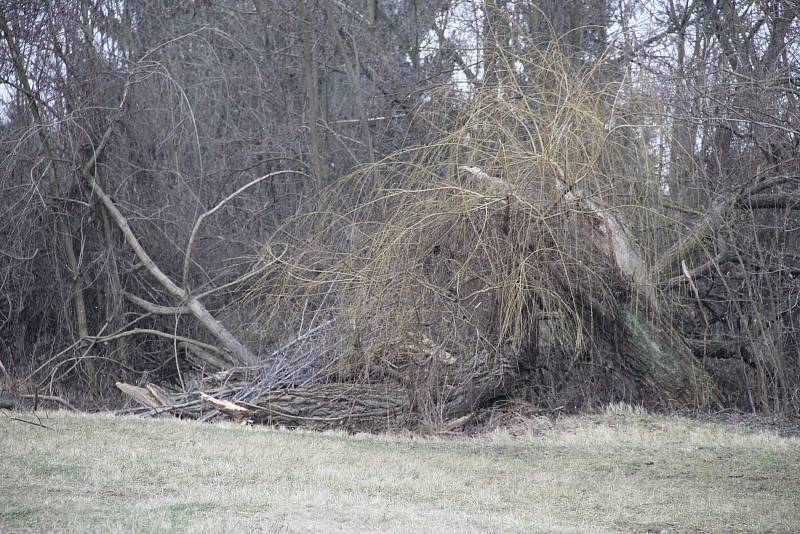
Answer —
(458, 422)
(160, 395)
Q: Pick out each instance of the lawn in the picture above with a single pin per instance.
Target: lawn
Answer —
(619, 471)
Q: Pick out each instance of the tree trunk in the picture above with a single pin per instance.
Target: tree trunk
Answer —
(665, 362)
(62, 228)
(351, 67)
(650, 353)
(311, 93)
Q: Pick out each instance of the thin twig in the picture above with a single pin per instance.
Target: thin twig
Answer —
(34, 423)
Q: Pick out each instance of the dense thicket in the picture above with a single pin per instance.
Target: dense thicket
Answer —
(427, 206)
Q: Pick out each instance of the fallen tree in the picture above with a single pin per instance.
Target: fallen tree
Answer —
(457, 271)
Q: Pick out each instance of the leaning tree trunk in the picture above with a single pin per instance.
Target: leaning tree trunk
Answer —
(645, 349)
(643, 344)
(662, 357)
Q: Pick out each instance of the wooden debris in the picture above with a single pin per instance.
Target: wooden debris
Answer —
(140, 395)
(237, 412)
(334, 405)
(353, 405)
(204, 358)
(161, 395)
(235, 375)
(458, 422)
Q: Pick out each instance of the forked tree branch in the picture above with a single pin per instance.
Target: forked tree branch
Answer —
(239, 352)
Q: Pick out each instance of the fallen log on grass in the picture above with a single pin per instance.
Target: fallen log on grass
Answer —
(151, 396)
(237, 412)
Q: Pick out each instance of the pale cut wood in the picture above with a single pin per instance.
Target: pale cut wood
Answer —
(237, 412)
(458, 422)
(140, 395)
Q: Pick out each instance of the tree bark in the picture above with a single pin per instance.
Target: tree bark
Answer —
(352, 73)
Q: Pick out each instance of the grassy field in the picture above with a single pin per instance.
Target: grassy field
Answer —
(618, 471)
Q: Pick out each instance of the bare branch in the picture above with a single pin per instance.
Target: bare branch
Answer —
(209, 213)
(155, 309)
(159, 333)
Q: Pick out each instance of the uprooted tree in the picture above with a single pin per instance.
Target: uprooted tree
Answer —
(442, 276)
(456, 267)
(549, 228)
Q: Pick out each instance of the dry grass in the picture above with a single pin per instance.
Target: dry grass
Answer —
(620, 471)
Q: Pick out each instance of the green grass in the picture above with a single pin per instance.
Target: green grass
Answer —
(620, 471)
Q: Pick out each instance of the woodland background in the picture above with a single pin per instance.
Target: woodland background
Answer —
(399, 211)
